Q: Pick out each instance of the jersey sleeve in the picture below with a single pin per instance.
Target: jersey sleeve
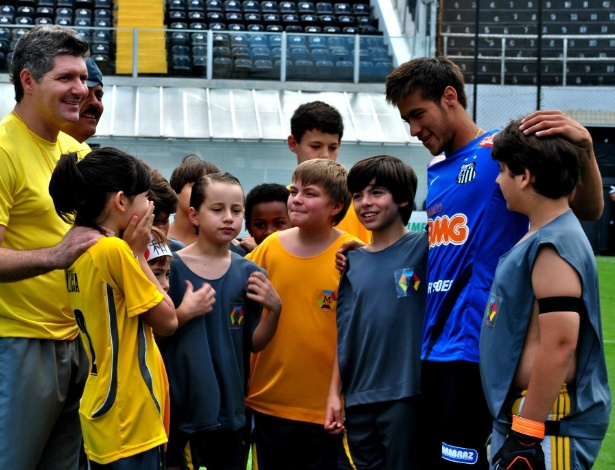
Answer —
(125, 274)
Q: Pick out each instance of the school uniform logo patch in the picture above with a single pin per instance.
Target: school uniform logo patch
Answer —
(327, 300)
(467, 173)
(491, 313)
(236, 316)
(407, 281)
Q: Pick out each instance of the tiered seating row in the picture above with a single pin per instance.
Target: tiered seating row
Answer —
(259, 55)
(513, 17)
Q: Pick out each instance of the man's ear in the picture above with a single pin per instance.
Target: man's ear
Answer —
(404, 204)
(449, 96)
(27, 81)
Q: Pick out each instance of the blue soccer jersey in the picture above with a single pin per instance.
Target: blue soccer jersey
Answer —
(469, 225)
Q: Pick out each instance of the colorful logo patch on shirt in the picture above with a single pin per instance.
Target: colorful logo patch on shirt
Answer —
(467, 173)
(459, 454)
(237, 316)
(406, 282)
(491, 312)
(327, 300)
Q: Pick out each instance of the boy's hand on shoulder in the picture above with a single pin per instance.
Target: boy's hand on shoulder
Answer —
(340, 256)
(197, 302)
(262, 291)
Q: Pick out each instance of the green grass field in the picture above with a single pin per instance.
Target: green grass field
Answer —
(606, 268)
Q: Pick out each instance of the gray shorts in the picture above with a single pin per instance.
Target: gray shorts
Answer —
(41, 383)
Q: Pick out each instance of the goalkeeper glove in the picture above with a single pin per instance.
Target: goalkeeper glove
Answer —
(522, 449)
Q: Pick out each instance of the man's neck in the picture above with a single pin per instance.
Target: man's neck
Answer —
(34, 122)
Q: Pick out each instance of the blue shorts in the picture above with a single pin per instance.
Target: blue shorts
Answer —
(41, 383)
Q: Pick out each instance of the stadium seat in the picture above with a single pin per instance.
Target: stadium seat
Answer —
(342, 9)
(222, 51)
(222, 67)
(260, 53)
(215, 17)
(101, 49)
(299, 53)
(65, 3)
(323, 8)
(331, 30)
(213, 5)
(180, 65)
(43, 20)
(378, 54)
(324, 70)
(102, 14)
(287, 7)
(232, 6)
(255, 28)
(199, 65)
(222, 40)
(103, 4)
(368, 30)
(274, 28)
(252, 18)
(45, 12)
(306, 8)
(301, 70)
(242, 68)
(251, 6)
(25, 12)
(350, 30)
(196, 5)
(179, 38)
(196, 16)
(337, 41)
(346, 20)
(290, 19)
(177, 15)
(198, 39)
(269, 6)
(320, 55)
(328, 20)
(317, 42)
(83, 3)
(24, 21)
(240, 52)
(312, 29)
(234, 17)
(102, 60)
(262, 69)
(258, 40)
(359, 9)
(309, 20)
(340, 54)
(101, 37)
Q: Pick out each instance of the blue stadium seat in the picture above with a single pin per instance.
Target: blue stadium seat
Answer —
(306, 8)
(255, 28)
(251, 6)
(45, 12)
(213, 5)
(274, 28)
(196, 5)
(342, 9)
(232, 6)
(43, 20)
(323, 8)
(321, 55)
(242, 68)
(293, 28)
(295, 40)
(287, 7)
(359, 9)
(260, 53)
(312, 29)
(331, 30)
(222, 67)
(258, 40)
(269, 6)
(262, 69)
(236, 27)
(340, 54)
(317, 42)
(301, 70)
(324, 70)
(198, 39)
(299, 53)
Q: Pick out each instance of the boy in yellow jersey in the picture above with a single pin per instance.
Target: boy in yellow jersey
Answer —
(316, 130)
(290, 377)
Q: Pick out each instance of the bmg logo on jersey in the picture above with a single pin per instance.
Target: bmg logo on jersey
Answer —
(446, 230)
(236, 316)
(327, 300)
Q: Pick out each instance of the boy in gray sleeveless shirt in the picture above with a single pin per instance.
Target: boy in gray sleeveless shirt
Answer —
(541, 348)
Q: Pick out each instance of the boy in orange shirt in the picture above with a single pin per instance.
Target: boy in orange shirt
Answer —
(289, 382)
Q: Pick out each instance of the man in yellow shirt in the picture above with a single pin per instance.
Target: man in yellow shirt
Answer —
(42, 362)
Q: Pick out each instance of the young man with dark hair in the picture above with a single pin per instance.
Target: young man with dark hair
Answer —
(541, 348)
(469, 228)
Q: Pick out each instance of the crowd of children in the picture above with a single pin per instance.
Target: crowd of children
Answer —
(266, 343)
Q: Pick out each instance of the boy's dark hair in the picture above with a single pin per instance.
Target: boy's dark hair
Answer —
(316, 115)
(80, 189)
(266, 192)
(161, 193)
(37, 49)
(554, 162)
(189, 170)
(390, 173)
(331, 176)
(197, 198)
(427, 75)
